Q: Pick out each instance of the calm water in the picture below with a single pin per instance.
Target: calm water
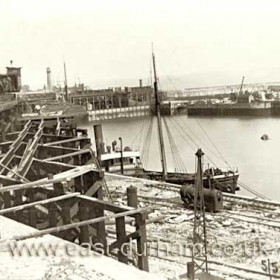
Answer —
(237, 140)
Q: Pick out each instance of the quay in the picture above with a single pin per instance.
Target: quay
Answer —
(52, 182)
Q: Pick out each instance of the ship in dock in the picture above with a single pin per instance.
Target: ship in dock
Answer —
(128, 162)
(243, 107)
(239, 103)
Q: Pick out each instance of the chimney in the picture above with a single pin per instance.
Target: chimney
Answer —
(49, 79)
(140, 83)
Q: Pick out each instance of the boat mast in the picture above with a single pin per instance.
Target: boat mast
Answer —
(158, 114)
(65, 83)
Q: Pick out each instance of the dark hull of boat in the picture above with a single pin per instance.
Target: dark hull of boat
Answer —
(225, 182)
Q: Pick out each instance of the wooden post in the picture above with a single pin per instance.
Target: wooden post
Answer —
(84, 230)
(7, 202)
(96, 212)
(60, 188)
(52, 215)
(3, 133)
(121, 234)
(190, 270)
(18, 197)
(32, 217)
(132, 198)
(142, 252)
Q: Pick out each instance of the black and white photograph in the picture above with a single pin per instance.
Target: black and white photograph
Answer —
(140, 140)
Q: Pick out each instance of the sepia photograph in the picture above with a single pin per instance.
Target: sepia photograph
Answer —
(140, 140)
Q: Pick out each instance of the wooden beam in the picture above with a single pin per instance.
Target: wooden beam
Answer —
(77, 224)
(41, 202)
(91, 191)
(69, 140)
(80, 152)
(14, 147)
(105, 204)
(45, 183)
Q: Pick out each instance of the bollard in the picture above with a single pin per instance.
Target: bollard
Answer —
(132, 198)
(190, 270)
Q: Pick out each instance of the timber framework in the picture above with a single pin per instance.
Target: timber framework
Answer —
(51, 180)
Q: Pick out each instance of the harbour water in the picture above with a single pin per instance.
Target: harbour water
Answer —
(225, 141)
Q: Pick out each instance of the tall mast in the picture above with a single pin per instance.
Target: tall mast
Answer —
(65, 83)
(157, 108)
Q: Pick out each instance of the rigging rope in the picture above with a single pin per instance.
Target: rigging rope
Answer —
(146, 144)
(210, 140)
(181, 131)
(178, 162)
(140, 133)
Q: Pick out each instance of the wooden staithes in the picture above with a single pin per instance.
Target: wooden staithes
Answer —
(50, 179)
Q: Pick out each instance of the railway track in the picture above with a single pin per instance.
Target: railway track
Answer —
(229, 271)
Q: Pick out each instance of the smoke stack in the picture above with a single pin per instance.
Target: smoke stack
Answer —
(140, 83)
(49, 79)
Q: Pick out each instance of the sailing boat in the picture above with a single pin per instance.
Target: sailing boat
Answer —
(225, 181)
(128, 163)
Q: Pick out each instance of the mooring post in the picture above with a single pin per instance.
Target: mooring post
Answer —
(132, 197)
(190, 270)
(142, 248)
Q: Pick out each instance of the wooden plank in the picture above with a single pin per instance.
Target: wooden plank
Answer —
(41, 202)
(90, 192)
(76, 225)
(13, 148)
(80, 152)
(105, 204)
(45, 183)
(27, 159)
(69, 140)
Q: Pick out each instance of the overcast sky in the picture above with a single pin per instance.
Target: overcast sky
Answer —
(104, 42)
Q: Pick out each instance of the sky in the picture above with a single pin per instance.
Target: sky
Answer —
(108, 43)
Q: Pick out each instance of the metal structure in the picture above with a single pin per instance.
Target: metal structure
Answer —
(199, 255)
